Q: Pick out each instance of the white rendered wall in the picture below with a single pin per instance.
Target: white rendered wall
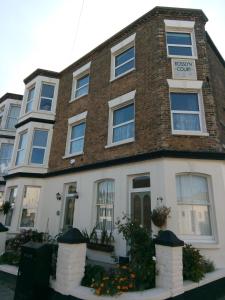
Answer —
(163, 184)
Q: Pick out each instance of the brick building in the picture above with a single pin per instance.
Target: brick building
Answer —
(136, 123)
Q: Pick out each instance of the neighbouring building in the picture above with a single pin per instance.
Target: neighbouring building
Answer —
(136, 123)
(9, 113)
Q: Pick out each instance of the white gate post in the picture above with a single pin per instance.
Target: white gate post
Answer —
(70, 261)
(3, 234)
(169, 262)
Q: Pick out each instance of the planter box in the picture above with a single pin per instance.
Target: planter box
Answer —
(100, 247)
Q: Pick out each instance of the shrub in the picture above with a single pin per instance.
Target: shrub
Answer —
(194, 264)
(141, 252)
(93, 274)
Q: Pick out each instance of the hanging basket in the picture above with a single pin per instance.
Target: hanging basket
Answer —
(159, 215)
(5, 207)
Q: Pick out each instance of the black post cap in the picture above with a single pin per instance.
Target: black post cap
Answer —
(168, 238)
(3, 228)
(72, 236)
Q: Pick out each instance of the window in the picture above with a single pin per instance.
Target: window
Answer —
(13, 116)
(21, 148)
(81, 80)
(180, 38)
(30, 99)
(47, 94)
(123, 57)
(123, 123)
(11, 199)
(82, 86)
(30, 205)
(104, 203)
(124, 62)
(1, 115)
(185, 111)
(39, 144)
(140, 201)
(194, 207)
(5, 156)
(179, 44)
(77, 138)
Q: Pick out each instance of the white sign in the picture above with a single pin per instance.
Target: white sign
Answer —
(184, 69)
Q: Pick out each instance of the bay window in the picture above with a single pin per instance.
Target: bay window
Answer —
(20, 156)
(30, 99)
(5, 156)
(40, 138)
(30, 206)
(13, 115)
(47, 95)
(12, 198)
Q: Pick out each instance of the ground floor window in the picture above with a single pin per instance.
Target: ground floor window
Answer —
(105, 204)
(12, 192)
(30, 206)
(194, 206)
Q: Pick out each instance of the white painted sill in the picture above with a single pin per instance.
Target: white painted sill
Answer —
(182, 56)
(77, 98)
(72, 155)
(190, 133)
(129, 71)
(120, 143)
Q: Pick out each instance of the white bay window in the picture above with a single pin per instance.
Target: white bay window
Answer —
(20, 157)
(39, 144)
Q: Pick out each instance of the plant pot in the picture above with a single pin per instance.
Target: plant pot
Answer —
(100, 247)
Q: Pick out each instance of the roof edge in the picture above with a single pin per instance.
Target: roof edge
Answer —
(214, 48)
(11, 96)
(41, 72)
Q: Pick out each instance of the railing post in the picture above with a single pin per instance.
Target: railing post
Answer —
(3, 234)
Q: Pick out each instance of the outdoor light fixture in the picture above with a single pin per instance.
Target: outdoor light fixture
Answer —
(76, 196)
(58, 196)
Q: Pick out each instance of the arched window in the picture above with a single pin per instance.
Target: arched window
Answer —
(105, 204)
(194, 207)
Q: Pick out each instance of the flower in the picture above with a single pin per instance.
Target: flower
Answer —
(154, 258)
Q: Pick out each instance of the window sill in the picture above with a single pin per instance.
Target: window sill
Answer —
(203, 244)
(120, 76)
(120, 143)
(190, 133)
(72, 155)
(77, 98)
(182, 56)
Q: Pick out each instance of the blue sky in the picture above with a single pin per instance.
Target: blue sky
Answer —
(45, 33)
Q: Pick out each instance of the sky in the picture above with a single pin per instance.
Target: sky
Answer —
(52, 34)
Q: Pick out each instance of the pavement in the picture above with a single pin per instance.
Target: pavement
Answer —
(7, 286)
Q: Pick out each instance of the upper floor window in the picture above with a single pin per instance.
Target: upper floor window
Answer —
(194, 206)
(123, 57)
(123, 123)
(121, 120)
(77, 138)
(124, 61)
(180, 38)
(81, 80)
(47, 95)
(1, 115)
(30, 99)
(185, 111)
(105, 204)
(13, 115)
(39, 144)
(179, 43)
(5, 156)
(20, 156)
(30, 206)
(76, 135)
(82, 86)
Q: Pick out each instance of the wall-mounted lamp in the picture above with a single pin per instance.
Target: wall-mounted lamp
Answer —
(160, 199)
(58, 196)
(76, 196)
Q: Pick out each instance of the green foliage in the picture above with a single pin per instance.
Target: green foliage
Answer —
(159, 215)
(141, 252)
(13, 246)
(5, 207)
(93, 274)
(106, 238)
(194, 264)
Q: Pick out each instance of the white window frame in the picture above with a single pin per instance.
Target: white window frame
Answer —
(32, 87)
(117, 50)
(78, 74)
(73, 121)
(37, 210)
(38, 147)
(9, 117)
(8, 193)
(115, 104)
(52, 99)
(178, 26)
(188, 86)
(188, 238)
(7, 142)
(21, 149)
